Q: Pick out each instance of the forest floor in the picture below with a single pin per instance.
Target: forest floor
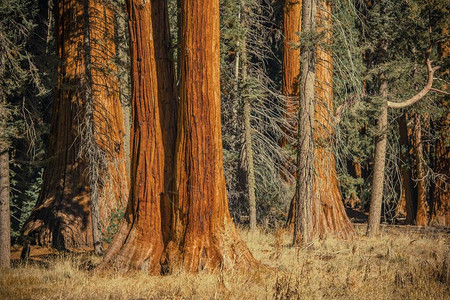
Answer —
(397, 265)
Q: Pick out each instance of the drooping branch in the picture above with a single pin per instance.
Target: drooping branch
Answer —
(420, 94)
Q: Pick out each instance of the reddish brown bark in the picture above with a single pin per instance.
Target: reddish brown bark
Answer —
(203, 235)
(329, 217)
(62, 215)
(292, 17)
(108, 115)
(145, 227)
(440, 198)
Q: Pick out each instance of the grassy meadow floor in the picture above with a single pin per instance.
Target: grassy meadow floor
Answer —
(397, 265)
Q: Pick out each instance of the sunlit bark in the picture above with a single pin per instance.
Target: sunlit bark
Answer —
(203, 234)
(145, 227)
(292, 16)
(62, 216)
(329, 217)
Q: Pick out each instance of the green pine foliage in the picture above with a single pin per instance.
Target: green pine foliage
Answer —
(27, 76)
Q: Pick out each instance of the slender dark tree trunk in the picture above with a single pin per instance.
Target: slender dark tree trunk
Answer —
(250, 166)
(379, 167)
(422, 205)
(303, 225)
(5, 224)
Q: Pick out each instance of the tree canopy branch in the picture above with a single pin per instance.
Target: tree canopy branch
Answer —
(420, 94)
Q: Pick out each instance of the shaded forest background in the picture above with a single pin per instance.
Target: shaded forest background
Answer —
(368, 39)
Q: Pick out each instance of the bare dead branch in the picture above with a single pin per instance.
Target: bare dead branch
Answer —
(420, 94)
(439, 91)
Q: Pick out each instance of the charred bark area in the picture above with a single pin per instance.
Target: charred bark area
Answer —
(62, 215)
(145, 229)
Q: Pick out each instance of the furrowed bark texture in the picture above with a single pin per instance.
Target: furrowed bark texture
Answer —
(303, 224)
(203, 234)
(145, 227)
(329, 217)
(62, 216)
(292, 18)
(380, 159)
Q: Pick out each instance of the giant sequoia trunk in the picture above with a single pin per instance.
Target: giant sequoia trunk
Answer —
(145, 228)
(329, 217)
(203, 235)
(193, 231)
(81, 125)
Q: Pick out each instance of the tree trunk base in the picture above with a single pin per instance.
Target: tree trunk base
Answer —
(147, 253)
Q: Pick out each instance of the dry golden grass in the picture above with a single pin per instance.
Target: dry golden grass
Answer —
(393, 266)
